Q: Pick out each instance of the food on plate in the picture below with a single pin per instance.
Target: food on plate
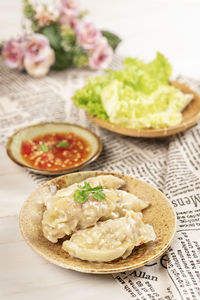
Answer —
(138, 96)
(54, 151)
(106, 181)
(81, 205)
(111, 239)
(99, 221)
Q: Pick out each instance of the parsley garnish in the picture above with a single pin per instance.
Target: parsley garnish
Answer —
(43, 147)
(82, 193)
(62, 144)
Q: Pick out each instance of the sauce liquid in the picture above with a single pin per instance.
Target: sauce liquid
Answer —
(55, 151)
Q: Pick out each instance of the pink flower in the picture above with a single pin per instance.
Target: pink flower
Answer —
(44, 16)
(13, 53)
(31, 52)
(39, 69)
(70, 18)
(37, 48)
(38, 56)
(69, 10)
(66, 5)
(88, 36)
(101, 56)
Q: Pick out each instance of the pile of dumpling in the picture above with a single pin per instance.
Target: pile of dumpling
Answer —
(99, 231)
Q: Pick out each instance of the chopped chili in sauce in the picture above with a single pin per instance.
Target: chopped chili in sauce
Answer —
(55, 151)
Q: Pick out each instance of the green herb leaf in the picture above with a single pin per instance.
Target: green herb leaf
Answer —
(81, 196)
(62, 144)
(99, 195)
(87, 186)
(82, 193)
(43, 147)
(97, 188)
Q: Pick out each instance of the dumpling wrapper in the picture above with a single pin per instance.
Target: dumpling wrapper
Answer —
(65, 215)
(106, 181)
(111, 239)
(62, 204)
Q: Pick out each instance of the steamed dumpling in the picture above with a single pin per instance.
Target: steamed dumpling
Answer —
(123, 201)
(66, 215)
(61, 208)
(106, 181)
(111, 239)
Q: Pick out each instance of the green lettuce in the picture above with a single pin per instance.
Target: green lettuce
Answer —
(139, 96)
(89, 97)
(134, 109)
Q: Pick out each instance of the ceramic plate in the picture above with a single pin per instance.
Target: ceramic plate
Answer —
(191, 115)
(159, 214)
(14, 144)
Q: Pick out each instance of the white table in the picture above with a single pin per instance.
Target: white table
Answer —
(145, 27)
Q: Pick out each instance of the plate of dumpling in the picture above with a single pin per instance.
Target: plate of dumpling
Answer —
(98, 222)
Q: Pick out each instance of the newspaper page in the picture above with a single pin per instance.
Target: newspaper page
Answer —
(172, 165)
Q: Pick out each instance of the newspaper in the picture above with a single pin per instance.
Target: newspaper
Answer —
(172, 165)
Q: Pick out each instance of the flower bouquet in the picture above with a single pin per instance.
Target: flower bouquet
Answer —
(58, 37)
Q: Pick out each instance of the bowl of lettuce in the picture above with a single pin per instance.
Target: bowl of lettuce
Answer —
(139, 100)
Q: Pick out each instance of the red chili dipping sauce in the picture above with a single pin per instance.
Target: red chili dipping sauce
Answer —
(54, 151)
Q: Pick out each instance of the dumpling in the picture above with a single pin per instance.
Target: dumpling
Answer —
(123, 201)
(111, 239)
(62, 204)
(66, 215)
(106, 181)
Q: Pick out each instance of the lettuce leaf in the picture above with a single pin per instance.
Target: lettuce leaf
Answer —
(129, 108)
(89, 97)
(139, 96)
(144, 77)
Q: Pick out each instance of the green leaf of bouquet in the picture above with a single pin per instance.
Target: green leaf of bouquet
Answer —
(112, 38)
(63, 60)
(35, 26)
(83, 13)
(53, 34)
(28, 9)
(80, 58)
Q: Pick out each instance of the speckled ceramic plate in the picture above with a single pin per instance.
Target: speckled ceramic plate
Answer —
(191, 115)
(13, 146)
(159, 214)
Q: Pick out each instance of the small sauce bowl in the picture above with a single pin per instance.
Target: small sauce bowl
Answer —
(14, 143)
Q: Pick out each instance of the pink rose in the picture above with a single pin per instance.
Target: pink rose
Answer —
(69, 10)
(44, 16)
(66, 5)
(38, 56)
(13, 53)
(39, 69)
(88, 36)
(37, 48)
(101, 56)
(70, 18)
